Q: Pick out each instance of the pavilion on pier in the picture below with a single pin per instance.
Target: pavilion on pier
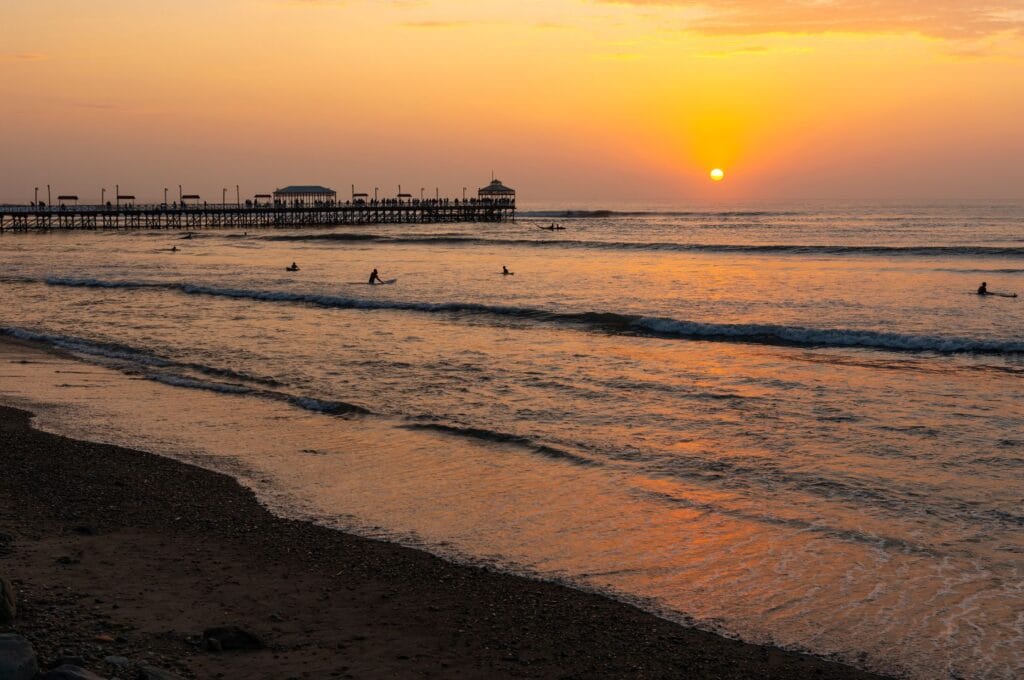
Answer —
(305, 194)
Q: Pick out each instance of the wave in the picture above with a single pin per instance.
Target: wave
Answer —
(77, 345)
(576, 214)
(504, 438)
(109, 350)
(139, 358)
(984, 271)
(182, 381)
(612, 322)
(727, 248)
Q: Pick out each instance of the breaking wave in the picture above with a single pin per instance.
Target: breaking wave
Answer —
(609, 322)
(556, 241)
(158, 369)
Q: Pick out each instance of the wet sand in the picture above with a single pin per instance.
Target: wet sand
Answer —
(124, 553)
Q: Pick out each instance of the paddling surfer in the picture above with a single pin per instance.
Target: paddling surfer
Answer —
(505, 271)
(293, 268)
(983, 290)
(374, 277)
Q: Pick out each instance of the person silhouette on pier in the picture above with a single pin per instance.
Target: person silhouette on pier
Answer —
(374, 277)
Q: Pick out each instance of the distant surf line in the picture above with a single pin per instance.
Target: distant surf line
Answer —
(750, 249)
(606, 322)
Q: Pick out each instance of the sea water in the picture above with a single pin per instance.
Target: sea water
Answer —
(797, 425)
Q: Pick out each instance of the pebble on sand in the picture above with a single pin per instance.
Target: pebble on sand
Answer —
(230, 637)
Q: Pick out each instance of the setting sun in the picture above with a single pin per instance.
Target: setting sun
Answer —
(717, 174)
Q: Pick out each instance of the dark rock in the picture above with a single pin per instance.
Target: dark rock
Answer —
(69, 672)
(17, 658)
(67, 660)
(8, 601)
(118, 661)
(230, 637)
(154, 673)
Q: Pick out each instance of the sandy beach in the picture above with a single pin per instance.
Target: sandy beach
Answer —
(119, 553)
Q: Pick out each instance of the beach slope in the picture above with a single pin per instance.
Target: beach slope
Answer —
(120, 553)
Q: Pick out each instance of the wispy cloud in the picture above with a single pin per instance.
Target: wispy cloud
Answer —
(952, 19)
(437, 24)
(22, 56)
(739, 51)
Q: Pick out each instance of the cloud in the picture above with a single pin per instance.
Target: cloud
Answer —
(22, 56)
(437, 24)
(750, 49)
(951, 19)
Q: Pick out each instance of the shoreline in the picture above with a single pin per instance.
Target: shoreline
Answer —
(115, 552)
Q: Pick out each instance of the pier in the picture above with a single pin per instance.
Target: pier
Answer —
(292, 207)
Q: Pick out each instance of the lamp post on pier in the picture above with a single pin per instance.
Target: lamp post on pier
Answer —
(463, 194)
(179, 194)
(375, 194)
(223, 195)
(117, 196)
(165, 197)
(35, 201)
(49, 201)
(103, 196)
(238, 197)
(421, 194)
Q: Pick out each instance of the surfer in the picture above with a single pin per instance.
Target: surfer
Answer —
(174, 249)
(374, 278)
(293, 268)
(983, 290)
(506, 272)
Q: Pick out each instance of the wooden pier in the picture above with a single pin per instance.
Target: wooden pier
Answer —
(233, 216)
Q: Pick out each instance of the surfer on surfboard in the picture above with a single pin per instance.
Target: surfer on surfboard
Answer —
(983, 290)
(506, 272)
(374, 278)
(293, 268)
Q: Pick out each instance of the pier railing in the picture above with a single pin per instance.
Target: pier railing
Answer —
(251, 216)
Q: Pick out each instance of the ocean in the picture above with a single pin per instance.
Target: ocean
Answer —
(795, 425)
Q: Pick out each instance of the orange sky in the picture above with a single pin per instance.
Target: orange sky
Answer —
(569, 101)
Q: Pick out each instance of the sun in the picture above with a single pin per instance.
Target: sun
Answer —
(717, 175)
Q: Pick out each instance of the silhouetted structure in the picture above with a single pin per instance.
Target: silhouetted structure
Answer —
(304, 194)
(303, 206)
(496, 191)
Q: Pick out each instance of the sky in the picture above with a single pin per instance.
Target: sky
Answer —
(575, 102)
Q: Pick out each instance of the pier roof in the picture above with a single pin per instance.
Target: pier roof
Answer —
(304, 189)
(496, 188)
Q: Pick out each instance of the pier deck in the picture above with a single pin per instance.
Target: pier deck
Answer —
(176, 216)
